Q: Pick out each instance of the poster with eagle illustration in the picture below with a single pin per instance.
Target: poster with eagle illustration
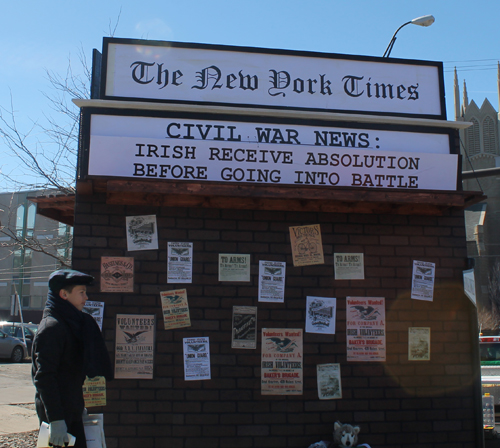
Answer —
(134, 347)
(282, 361)
(365, 329)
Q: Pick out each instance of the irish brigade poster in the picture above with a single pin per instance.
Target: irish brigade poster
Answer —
(272, 281)
(422, 282)
(134, 349)
(96, 310)
(180, 262)
(349, 266)
(234, 268)
(307, 247)
(244, 327)
(419, 344)
(94, 391)
(365, 328)
(142, 233)
(196, 359)
(320, 315)
(281, 370)
(175, 309)
(329, 382)
(117, 274)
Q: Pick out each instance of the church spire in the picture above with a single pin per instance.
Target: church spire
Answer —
(456, 91)
(466, 99)
(498, 87)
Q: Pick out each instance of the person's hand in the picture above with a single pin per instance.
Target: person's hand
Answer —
(58, 433)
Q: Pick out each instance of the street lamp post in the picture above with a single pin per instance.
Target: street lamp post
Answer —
(421, 21)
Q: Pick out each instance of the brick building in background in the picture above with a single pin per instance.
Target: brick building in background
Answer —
(127, 169)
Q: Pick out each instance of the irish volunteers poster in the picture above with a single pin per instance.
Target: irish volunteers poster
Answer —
(282, 357)
(365, 328)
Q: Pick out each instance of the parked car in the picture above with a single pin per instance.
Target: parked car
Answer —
(15, 329)
(12, 348)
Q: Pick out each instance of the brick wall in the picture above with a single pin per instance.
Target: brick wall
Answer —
(397, 403)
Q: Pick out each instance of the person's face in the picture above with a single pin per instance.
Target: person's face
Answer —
(77, 297)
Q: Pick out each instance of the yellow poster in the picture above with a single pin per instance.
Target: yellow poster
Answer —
(307, 247)
(94, 391)
(175, 309)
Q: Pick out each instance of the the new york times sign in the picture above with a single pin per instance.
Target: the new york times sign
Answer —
(249, 77)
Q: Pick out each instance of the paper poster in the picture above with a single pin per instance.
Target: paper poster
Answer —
(196, 359)
(419, 344)
(234, 268)
(96, 310)
(307, 248)
(282, 354)
(94, 391)
(349, 266)
(470, 285)
(175, 309)
(142, 232)
(365, 328)
(134, 349)
(117, 274)
(320, 315)
(422, 283)
(244, 327)
(272, 281)
(179, 262)
(329, 381)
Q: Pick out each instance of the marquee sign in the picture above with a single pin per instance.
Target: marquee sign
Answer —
(199, 150)
(250, 77)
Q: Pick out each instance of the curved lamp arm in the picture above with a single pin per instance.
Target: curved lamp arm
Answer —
(421, 21)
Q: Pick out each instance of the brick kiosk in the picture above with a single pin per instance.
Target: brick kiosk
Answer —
(397, 403)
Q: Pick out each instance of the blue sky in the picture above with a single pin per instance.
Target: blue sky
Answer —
(38, 36)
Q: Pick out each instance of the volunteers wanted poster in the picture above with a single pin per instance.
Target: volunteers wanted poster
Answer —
(272, 281)
(320, 315)
(234, 267)
(134, 349)
(244, 327)
(282, 354)
(96, 310)
(349, 267)
(422, 282)
(180, 262)
(117, 274)
(329, 383)
(307, 247)
(365, 328)
(419, 344)
(94, 391)
(142, 232)
(175, 309)
(196, 359)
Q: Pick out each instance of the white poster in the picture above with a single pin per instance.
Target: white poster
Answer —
(349, 266)
(173, 71)
(168, 149)
(272, 281)
(329, 381)
(321, 314)
(365, 329)
(179, 262)
(142, 233)
(422, 284)
(96, 310)
(196, 359)
(234, 267)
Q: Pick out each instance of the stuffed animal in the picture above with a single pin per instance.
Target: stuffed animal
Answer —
(344, 436)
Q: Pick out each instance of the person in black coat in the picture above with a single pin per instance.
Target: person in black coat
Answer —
(68, 347)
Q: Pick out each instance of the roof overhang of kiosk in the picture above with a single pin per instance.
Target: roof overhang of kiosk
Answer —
(173, 193)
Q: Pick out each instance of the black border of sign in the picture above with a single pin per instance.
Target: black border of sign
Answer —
(87, 112)
(310, 54)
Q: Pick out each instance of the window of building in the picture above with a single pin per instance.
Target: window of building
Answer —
(472, 138)
(26, 301)
(489, 136)
(20, 220)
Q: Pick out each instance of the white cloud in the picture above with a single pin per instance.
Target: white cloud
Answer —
(155, 29)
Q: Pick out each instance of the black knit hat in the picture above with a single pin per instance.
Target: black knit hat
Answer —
(65, 277)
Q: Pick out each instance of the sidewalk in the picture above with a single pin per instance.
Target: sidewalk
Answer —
(17, 395)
